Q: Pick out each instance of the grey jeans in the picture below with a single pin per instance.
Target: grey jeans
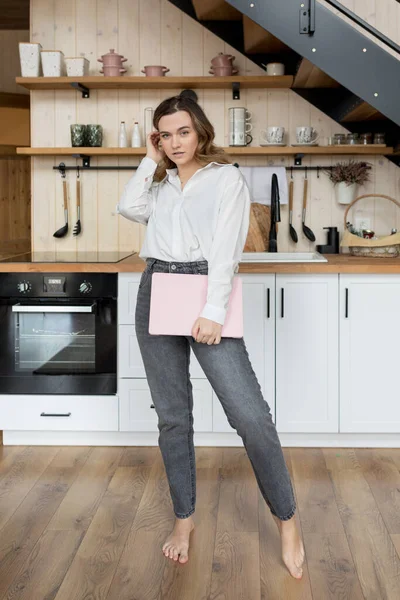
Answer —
(228, 369)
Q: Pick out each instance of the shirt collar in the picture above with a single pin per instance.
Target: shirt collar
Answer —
(172, 173)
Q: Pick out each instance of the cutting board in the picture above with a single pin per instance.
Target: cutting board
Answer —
(258, 234)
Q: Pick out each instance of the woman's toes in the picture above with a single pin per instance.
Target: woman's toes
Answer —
(183, 557)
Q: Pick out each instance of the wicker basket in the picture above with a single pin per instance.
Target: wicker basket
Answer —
(387, 246)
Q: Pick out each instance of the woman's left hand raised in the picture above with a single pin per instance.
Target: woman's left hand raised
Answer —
(206, 331)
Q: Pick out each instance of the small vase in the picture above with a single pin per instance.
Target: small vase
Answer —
(345, 194)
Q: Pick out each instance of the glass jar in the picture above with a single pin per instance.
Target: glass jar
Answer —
(379, 138)
(365, 138)
(339, 138)
(352, 138)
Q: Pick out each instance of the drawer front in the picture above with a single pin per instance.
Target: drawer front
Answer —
(137, 412)
(59, 413)
(130, 363)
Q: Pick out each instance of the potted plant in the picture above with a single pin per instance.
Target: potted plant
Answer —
(346, 176)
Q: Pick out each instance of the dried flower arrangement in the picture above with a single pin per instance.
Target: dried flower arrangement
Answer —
(350, 172)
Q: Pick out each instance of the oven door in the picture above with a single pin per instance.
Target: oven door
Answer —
(58, 346)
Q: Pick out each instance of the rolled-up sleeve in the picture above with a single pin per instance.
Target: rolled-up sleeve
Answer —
(136, 202)
(226, 249)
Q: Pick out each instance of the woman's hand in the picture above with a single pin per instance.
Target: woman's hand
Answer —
(152, 143)
(207, 331)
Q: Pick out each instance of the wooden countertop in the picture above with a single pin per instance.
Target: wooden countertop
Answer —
(337, 263)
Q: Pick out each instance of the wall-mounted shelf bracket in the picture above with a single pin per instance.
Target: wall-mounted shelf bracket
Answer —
(78, 86)
(298, 158)
(235, 90)
(85, 160)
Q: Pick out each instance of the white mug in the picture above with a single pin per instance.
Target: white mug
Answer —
(306, 135)
(272, 135)
(239, 113)
(239, 133)
(275, 69)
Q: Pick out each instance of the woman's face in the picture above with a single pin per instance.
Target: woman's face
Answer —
(178, 137)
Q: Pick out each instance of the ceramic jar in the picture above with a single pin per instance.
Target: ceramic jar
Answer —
(223, 71)
(78, 134)
(94, 135)
(222, 60)
(112, 64)
(29, 56)
(155, 70)
(53, 63)
(77, 66)
(112, 59)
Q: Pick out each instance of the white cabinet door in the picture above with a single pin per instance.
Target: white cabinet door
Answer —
(130, 362)
(307, 352)
(128, 285)
(369, 361)
(259, 337)
(137, 412)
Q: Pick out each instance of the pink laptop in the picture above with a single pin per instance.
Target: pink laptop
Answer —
(178, 299)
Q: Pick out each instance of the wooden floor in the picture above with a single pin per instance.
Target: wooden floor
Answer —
(89, 523)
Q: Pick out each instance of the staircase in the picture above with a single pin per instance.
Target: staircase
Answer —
(342, 70)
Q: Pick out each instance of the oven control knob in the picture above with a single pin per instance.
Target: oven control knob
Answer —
(23, 286)
(85, 287)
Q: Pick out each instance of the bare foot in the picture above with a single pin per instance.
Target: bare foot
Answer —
(292, 546)
(177, 543)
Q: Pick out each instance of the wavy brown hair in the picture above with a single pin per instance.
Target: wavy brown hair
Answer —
(206, 151)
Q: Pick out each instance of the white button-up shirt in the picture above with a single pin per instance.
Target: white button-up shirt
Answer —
(207, 220)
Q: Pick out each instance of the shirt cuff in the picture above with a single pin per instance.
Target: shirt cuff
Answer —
(214, 313)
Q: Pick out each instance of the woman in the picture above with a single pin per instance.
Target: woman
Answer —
(196, 206)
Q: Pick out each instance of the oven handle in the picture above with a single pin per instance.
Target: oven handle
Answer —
(20, 308)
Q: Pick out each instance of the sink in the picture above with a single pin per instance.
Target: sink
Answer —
(280, 257)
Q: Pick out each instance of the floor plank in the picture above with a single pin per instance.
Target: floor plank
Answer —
(90, 522)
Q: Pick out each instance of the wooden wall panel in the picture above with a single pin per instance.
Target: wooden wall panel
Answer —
(9, 63)
(15, 204)
(154, 32)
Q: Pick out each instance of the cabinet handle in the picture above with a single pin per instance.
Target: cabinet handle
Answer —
(268, 303)
(346, 314)
(55, 415)
(282, 303)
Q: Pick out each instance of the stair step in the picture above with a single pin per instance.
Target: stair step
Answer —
(215, 10)
(257, 40)
(310, 76)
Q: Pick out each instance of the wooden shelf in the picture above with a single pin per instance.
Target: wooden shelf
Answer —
(238, 150)
(99, 82)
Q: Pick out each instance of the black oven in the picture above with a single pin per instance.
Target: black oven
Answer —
(58, 333)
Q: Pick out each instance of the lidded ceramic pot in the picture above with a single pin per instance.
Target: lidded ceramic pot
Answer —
(222, 60)
(112, 59)
(155, 70)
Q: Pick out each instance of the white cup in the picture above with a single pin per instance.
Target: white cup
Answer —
(239, 113)
(306, 135)
(275, 69)
(272, 135)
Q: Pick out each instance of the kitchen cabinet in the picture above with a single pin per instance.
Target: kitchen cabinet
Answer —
(137, 412)
(59, 413)
(307, 341)
(258, 291)
(369, 324)
(259, 337)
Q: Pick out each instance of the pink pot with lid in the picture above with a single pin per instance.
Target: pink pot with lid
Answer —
(112, 59)
(222, 60)
(154, 70)
(112, 71)
(223, 71)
